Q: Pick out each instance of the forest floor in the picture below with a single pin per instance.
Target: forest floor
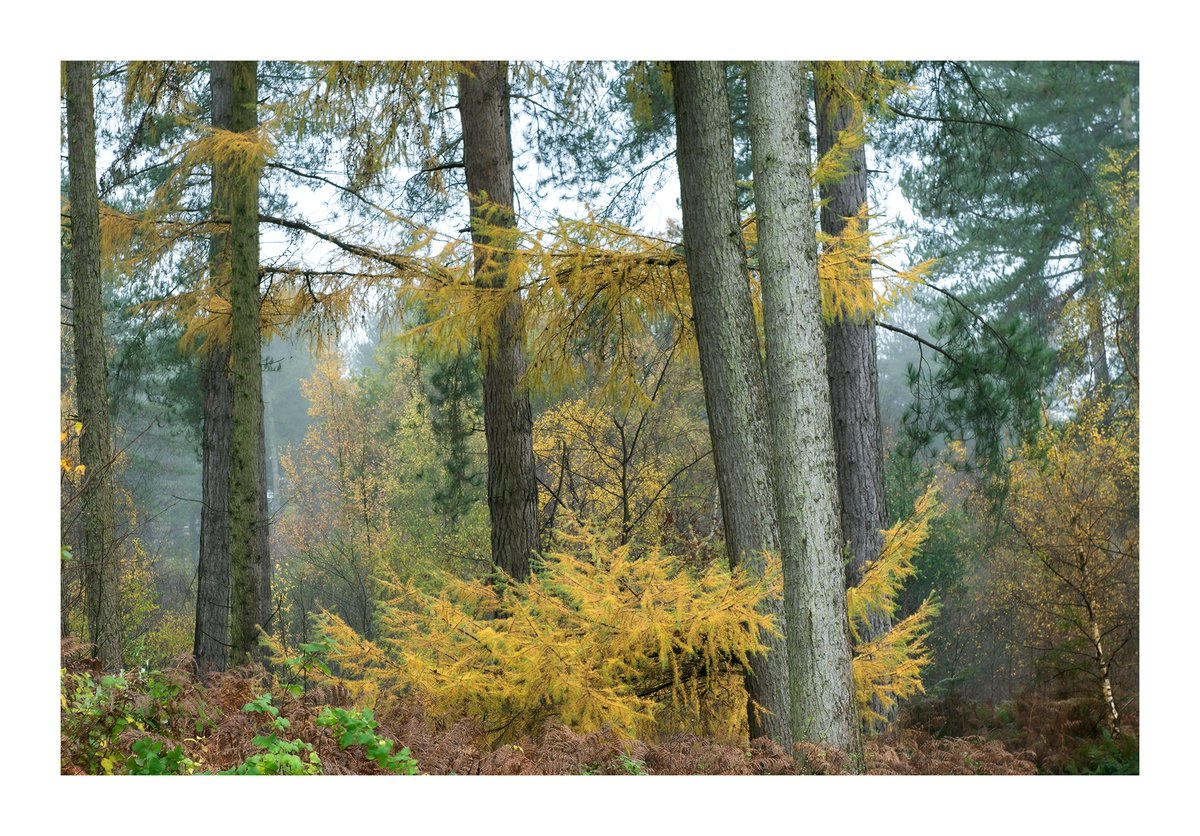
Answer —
(170, 722)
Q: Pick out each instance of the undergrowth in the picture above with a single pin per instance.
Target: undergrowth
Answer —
(247, 722)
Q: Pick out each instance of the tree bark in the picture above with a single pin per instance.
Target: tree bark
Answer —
(805, 476)
(98, 553)
(853, 377)
(508, 418)
(211, 641)
(212, 573)
(730, 363)
(263, 529)
(246, 482)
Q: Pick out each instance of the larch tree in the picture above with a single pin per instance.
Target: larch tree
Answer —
(817, 629)
(238, 185)
(508, 418)
(730, 362)
(99, 553)
(853, 375)
(212, 573)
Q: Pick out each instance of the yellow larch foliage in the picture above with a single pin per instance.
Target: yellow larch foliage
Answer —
(889, 668)
(384, 112)
(162, 83)
(851, 288)
(68, 439)
(590, 289)
(864, 88)
(1067, 573)
(596, 638)
(857, 278)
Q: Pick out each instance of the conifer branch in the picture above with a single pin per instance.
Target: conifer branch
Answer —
(308, 175)
(898, 330)
(408, 266)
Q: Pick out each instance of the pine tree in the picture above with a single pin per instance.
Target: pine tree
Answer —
(853, 376)
(1001, 161)
(246, 554)
(507, 416)
(802, 455)
(99, 553)
(730, 362)
(453, 390)
(212, 573)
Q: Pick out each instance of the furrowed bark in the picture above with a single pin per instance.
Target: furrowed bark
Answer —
(730, 362)
(508, 418)
(211, 642)
(245, 551)
(853, 377)
(805, 476)
(98, 552)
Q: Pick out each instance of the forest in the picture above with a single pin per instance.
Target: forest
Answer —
(599, 418)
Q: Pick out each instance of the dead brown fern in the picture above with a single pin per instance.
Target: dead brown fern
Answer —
(916, 752)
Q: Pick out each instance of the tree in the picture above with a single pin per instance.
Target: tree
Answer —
(631, 463)
(1003, 163)
(239, 178)
(453, 391)
(853, 379)
(853, 376)
(1064, 580)
(99, 553)
(212, 571)
(507, 416)
(801, 432)
(730, 364)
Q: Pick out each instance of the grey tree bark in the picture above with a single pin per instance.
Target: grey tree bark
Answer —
(805, 476)
(246, 479)
(98, 554)
(212, 574)
(508, 418)
(263, 529)
(210, 644)
(730, 362)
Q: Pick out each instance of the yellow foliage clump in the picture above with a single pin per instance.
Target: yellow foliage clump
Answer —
(597, 638)
(888, 668)
(851, 289)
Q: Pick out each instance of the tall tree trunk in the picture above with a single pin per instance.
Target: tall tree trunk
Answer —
(211, 640)
(212, 573)
(263, 528)
(730, 362)
(853, 375)
(507, 416)
(818, 632)
(98, 554)
(246, 482)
